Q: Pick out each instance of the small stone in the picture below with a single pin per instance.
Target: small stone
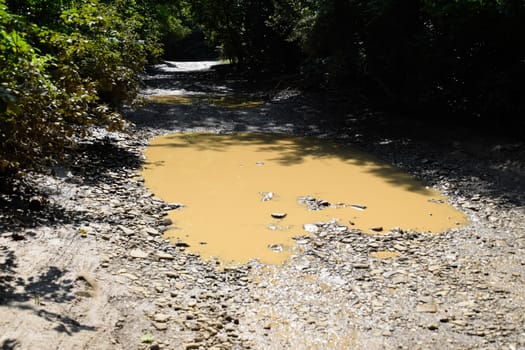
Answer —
(340, 229)
(151, 231)
(161, 318)
(311, 228)
(278, 215)
(444, 319)
(434, 268)
(459, 322)
(125, 230)
(399, 247)
(433, 326)
(276, 247)
(471, 206)
(138, 253)
(389, 274)
(166, 222)
(427, 308)
(130, 276)
(266, 196)
(358, 206)
(180, 285)
(301, 240)
(397, 279)
(361, 266)
(161, 302)
(160, 326)
(171, 274)
(164, 255)
(376, 228)
(173, 206)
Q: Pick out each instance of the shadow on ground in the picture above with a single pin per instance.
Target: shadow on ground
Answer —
(93, 161)
(25, 204)
(34, 292)
(9, 344)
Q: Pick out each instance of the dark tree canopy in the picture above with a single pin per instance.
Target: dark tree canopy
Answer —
(464, 58)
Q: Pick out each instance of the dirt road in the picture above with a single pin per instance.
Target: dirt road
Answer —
(83, 264)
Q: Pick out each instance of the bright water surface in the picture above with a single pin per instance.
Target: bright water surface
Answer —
(222, 180)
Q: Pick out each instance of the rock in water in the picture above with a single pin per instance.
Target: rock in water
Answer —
(311, 228)
(266, 196)
(358, 206)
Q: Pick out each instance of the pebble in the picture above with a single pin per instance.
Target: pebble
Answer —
(358, 206)
(160, 326)
(166, 222)
(126, 231)
(399, 247)
(161, 318)
(130, 276)
(311, 228)
(151, 231)
(163, 255)
(138, 253)
(428, 308)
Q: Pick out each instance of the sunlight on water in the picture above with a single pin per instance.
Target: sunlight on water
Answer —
(241, 193)
(215, 100)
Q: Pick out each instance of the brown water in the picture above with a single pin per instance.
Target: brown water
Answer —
(220, 101)
(225, 180)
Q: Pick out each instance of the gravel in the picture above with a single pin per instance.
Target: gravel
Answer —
(462, 289)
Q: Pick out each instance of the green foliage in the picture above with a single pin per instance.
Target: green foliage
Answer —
(62, 72)
(165, 22)
(28, 95)
(252, 33)
(147, 338)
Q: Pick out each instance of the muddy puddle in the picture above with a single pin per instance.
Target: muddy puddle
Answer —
(214, 100)
(247, 195)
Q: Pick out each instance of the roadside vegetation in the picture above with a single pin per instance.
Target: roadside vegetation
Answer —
(65, 65)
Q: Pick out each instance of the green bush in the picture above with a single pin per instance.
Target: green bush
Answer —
(63, 72)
